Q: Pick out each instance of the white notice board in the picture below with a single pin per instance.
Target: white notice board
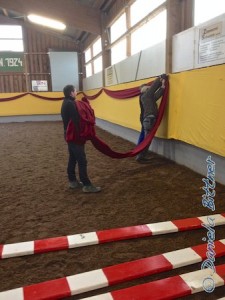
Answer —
(64, 69)
(210, 43)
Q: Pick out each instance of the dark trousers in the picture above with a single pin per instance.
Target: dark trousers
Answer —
(153, 94)
(148, 123)
(77, 156)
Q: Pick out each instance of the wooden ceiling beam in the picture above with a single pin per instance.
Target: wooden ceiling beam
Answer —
(67, 11)
(8, 21)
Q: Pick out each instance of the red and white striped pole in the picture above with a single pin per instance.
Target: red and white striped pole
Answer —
(169, 288)
(105, 236)
(84, 282)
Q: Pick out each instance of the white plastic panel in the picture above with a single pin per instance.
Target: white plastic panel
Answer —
(147, 63)
(93, 82)
(153, 61)
(64, 69)
(183, 50)
(126, 70)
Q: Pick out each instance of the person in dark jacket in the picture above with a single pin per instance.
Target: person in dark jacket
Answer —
(77, 155)
(149, 109)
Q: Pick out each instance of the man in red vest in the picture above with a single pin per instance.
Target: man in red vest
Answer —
(76, 147)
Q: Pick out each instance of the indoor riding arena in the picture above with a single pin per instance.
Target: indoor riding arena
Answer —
(156, 230)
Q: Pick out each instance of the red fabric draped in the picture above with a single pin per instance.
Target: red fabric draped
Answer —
(105, 149)
(24, 94)
(86, 124)
(46, 98)
(91, 97)
(120, 94)
(123, 94)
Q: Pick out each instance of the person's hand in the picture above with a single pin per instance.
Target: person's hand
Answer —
(163, 76)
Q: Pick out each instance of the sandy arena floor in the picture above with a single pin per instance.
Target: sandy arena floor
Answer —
(36, 203)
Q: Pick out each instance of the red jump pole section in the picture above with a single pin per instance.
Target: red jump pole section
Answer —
(172, 287)
(88, 281)
(105, 236)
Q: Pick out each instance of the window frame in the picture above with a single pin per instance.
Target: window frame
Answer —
(126, 35)
(93, 57)
(13, 39)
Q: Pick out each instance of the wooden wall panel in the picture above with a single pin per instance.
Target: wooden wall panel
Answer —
(10, 83)
(37, 64)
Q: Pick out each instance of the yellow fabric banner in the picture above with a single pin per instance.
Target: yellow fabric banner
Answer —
(194, 113)
(196, 108)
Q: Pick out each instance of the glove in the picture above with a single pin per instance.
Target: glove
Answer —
(163, 76)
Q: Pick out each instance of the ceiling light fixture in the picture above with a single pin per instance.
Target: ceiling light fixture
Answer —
(46, 22)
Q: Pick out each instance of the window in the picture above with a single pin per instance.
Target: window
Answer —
(118, 28)
(142, 8)
(151, 33)
(97, 47)
(128, 38)
(207, 9)
(87, 55)
(88, 70)
(98, 64)
(93, 59)
(11, 38)
(118, 52)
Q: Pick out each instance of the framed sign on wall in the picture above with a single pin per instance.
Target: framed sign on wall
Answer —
(39, 85)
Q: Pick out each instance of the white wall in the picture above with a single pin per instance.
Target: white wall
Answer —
(200, 46)
(93, 82)
(64, 69)
(149, 62)
(153, 61)
(197, 47)
(183, 50)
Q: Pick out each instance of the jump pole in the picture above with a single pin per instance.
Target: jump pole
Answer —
(105, 236)
(169, 288)
(108, 276)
